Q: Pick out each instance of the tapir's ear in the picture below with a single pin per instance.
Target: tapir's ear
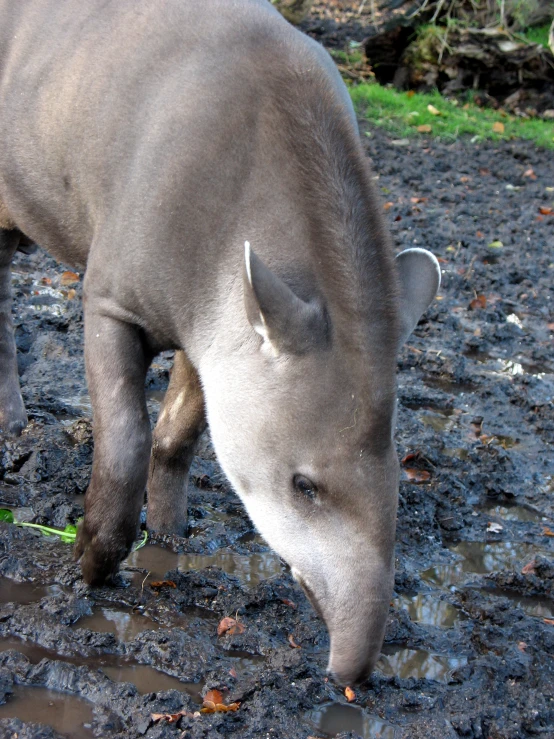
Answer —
(284, 321)
(420, 278)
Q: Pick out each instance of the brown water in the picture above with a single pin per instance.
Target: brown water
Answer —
(24, 592)
(65, 713)
(426, 608)
(513, 512)
(532, 605)
(417, 663)
(252, 569)
(331, 719)
(124, 624)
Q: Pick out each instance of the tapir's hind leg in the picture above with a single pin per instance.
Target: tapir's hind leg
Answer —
(116, 363)
(180, 423)
(13, 418)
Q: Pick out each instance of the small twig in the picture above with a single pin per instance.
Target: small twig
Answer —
(145, 579)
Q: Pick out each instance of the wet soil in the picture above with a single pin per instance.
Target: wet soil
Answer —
(469, 649)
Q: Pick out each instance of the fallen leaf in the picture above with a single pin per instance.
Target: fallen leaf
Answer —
(398, 218)
(230, 625)
(530, 173)
(171, 718)
(494, 528)
(208, 707)
(478, 302)
(388, 206)
(46, 281)
(233, 672)
(213, 696)
(550, 326)
(410, 93)
(288, 602)
(350, 694)
(293, 644)
(433, 110)
(211, 707)
(549, 621)
(480, 235)
(418, 200)
(522, 646)
(69, 278)
(498, 127)
(158, 584)
(71, 294)
(496, 244)
(424, 128)
(465, 179)
(547, 532)
(415, 475)
(546, 211)
(484, 171)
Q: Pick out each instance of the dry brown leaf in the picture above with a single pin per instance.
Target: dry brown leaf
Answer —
(480, 235)
(231, 626)
(465, 179)
(162, 584)
(418, 200)
(388, 206)
(69, 278)
(288, 602)
(424, 128)
(498, 127)
(410, 93)
(213, 696)
(549, 621)
(415, 475)
(233, 672)
(433, 110)
(211, 707)
(522, 646)
(171, 718)
(547, 532)
(349, 694)
(546, 211)
(293, 644)
(529, 568)
(530, 173)
(71, 294)
(46, 281)
(478, 302)
(550, 326)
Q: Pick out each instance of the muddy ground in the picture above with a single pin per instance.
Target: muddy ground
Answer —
(469, 649)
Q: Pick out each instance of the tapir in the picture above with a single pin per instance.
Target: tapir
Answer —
(201, 164)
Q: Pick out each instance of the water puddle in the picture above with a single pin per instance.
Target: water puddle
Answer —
(126, 625)
(482, 558)
(456, 452)
(513, 512)
(331, 719)
(251, 569)
(427, 608)
(531, 604)
(24, 593)
(65, 713)
(148, 680)
(439, 421)
(418, 663)
(513, 366)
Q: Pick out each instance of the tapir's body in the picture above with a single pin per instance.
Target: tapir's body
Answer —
(146, 142)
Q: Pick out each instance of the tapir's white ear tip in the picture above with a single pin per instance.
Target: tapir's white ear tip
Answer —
(420, 254)
(247, 253)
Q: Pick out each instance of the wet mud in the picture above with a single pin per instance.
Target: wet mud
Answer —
(469, 648)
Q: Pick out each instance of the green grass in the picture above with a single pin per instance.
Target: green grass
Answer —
(401, 114)
(537, 35)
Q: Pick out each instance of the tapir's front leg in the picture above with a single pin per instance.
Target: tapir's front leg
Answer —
(116, 365)
(12, 411)
(181, 421)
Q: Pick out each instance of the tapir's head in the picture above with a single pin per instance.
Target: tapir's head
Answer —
(302, 418)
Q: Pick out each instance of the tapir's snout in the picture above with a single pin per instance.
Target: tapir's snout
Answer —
(355, 613)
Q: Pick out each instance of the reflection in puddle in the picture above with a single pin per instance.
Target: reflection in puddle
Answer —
(24, 592)
(512, 512)
(148, 680)
(124, 624)
(480, 558)
(458, 452)
(514, 366)
(449, 386)
(331, 719)
(439, 421)
(417, 663)
(532, 605)
(426, 608)
(65, 713)
(252, 569)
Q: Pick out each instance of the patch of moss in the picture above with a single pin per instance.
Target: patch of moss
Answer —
(404, 113)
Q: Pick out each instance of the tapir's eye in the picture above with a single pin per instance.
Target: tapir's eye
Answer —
(305, 486)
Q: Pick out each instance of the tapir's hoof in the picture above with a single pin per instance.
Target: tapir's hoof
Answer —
(99, 555)
(12, 422)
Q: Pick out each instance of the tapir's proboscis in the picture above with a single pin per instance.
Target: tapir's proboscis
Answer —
(201, 163)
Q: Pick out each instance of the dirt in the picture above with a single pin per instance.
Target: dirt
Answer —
(469, 649)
